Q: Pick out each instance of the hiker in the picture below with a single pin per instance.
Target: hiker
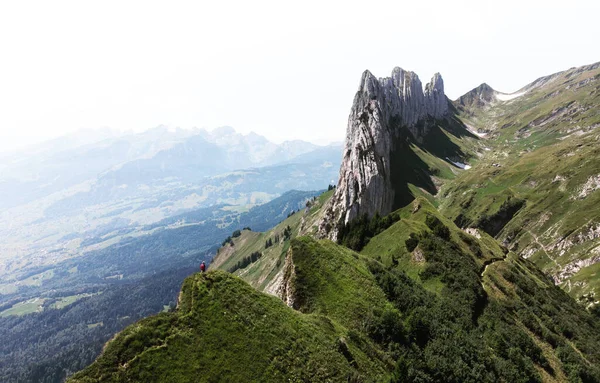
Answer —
(203, 267)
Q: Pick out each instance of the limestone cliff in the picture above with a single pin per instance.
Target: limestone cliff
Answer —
(383, 110)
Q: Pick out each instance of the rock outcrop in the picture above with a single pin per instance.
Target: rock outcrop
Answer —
(435, 98)
(285, 290)
(383, 109)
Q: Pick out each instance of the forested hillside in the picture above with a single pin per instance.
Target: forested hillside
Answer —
(50, 345)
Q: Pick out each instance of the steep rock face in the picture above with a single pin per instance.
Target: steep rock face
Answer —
(381, 110)
(285, 290)
(435, 98)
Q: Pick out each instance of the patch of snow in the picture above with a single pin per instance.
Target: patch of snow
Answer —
(459, 164)
(475, 131)
(508, 97)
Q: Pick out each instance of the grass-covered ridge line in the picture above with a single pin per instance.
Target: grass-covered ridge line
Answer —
(334, 281)
(224, 330)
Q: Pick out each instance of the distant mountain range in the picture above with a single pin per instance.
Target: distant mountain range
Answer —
(58, 195)
(153, 156)
(97, 217)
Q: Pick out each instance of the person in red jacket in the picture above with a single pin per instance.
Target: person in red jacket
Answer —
(203, 267)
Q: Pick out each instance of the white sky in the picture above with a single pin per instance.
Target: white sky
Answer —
(280, 68)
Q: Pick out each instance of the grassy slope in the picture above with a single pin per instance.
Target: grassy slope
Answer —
(357, 315)
(421, 166)
(545, 146)
(224, 330)
(260, 273)
(560, 327)
(390, 247)
(334, 281)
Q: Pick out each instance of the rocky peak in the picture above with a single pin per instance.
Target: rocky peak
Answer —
(382, 110)
(435, 98)
(478, 97)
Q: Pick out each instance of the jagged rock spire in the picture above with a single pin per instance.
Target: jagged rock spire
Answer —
(435, 98)
(382, 108)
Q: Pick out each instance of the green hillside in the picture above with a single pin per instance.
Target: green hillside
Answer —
(536, 187)
(331, 280)
(224, 330)
(442, 306)
(457, 307)
(507, 318)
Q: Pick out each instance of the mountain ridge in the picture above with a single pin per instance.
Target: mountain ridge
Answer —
(431, 286)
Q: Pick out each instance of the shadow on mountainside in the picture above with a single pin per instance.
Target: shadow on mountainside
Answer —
(408, 168)
(454, 125)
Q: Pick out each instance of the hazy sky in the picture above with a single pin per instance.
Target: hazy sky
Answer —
(280, 68)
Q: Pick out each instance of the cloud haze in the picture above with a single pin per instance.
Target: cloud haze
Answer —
(285, 70)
